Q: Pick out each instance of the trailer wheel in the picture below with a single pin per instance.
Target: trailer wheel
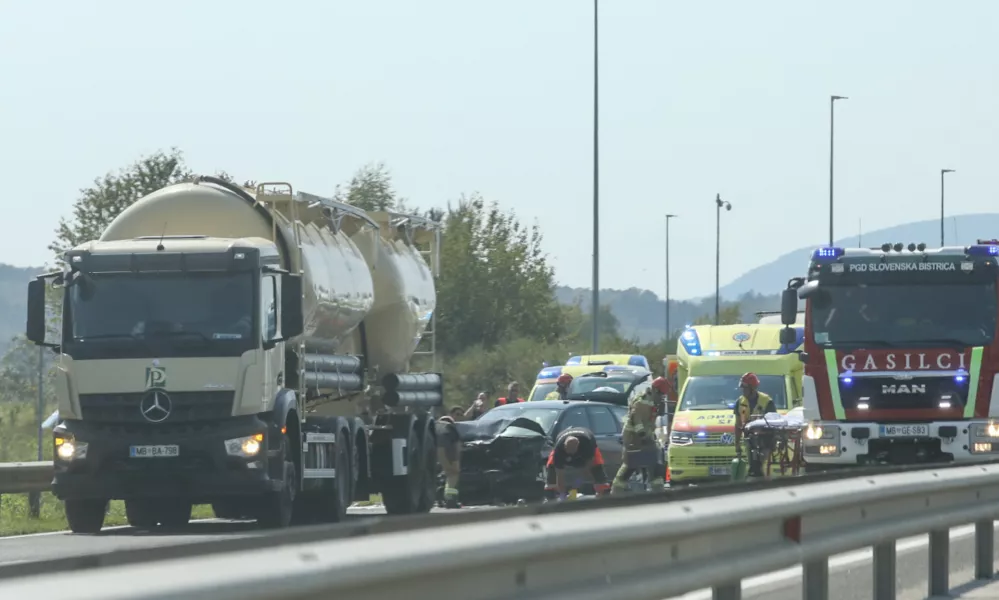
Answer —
(332, 501)
(276, 508)
(86, 515)
(429, 468)
(402, 494)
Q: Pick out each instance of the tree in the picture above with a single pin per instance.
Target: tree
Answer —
(369, 189)
(728, 315)
(496, 284)
(99, 204)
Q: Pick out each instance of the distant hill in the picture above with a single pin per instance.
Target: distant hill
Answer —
(14, 300)
(772, 277)
(642, 314)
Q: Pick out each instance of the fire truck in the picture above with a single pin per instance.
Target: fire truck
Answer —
(900, 354)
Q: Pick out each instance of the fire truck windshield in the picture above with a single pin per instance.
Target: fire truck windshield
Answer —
(905, 314)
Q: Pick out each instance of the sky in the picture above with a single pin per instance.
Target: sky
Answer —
(458, 96)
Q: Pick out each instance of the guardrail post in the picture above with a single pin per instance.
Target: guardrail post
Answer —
(728, 591)
(984, 548)
(884, 571)
(815, 580)
(939, 562)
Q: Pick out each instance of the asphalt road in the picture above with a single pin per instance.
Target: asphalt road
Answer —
(45, 546)
(850, 575)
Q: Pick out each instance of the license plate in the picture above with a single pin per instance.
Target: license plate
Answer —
(905, 430)
(719, 470)
(154, 451)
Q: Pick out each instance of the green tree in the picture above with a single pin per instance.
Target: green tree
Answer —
(99, 204)
(496, 284)
(369, 189)
(728, 315)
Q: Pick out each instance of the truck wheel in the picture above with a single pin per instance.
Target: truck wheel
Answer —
(86, 515)
(429, 468)
(401, 494)
(141, 513)
(276, 508)
(330, 504)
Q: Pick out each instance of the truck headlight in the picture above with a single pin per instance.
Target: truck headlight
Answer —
(681, 438)
(815, 431)
(246, 447)
(66, 448)
(991, 430)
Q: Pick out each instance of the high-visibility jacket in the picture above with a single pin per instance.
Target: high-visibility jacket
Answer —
(502, 401)
(554, 395)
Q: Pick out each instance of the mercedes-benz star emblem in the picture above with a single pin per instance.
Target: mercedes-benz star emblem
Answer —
(156, 406)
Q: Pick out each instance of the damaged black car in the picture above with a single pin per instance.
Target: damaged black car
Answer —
(504, 452)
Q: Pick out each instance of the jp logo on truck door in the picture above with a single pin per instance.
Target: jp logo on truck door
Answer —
(155, 377)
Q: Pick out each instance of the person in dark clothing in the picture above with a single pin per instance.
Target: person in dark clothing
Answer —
(575, 448)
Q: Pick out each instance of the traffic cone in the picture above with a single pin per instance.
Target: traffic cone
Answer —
(667, 474)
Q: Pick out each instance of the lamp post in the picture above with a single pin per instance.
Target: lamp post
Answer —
(832, 131)
(595, 308)
(719, 203)
(668, 217)
(942, 173)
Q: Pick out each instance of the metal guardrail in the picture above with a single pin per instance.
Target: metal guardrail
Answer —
(25, 477)
(649, 551)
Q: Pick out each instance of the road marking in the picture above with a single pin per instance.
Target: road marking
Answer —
(835, 563)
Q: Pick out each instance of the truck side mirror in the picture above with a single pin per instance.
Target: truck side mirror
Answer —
(37, 326)
(788, 306)
(788, 336)
(292, 318)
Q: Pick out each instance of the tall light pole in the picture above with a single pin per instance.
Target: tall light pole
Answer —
(728, 206)
(832, 131)
(668, 217)
(942, 173)
(595, 308)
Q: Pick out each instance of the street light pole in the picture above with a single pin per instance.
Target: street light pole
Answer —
(595, 308)
(668, 217)
(728, 206)
(832, 130)
(942, 173)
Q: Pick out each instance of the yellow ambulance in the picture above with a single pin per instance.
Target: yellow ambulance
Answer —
(581, 365)
(710, 361)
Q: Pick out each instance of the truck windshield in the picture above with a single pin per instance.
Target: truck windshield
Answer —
(959, 315)
(163, 313)
(719, 392)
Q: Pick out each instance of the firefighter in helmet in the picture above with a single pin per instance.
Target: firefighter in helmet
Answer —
(751, 405)
(561, 391)
(641, 450)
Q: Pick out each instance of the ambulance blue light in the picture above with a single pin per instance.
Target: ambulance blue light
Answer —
(824, 253)
(990, 250)
(637, 360)
(701, 434)
(574, 360)
(691, 343)
(550, 373)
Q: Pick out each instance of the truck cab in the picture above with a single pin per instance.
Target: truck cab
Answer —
(900, 353)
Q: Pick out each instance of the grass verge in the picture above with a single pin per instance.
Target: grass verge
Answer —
(14, 519)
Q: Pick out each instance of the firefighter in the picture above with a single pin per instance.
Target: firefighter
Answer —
(561, 391)
(512, 395)
(575, 448)
(752, 404)
(640, 448)
(449, 457)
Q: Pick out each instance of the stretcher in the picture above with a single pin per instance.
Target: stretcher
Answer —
(774, 443)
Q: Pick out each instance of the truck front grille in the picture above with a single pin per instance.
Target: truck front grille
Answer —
(185, 407)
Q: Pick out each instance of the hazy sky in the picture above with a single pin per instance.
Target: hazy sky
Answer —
(458, 96)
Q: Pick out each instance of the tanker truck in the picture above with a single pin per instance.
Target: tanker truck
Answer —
(244, 348)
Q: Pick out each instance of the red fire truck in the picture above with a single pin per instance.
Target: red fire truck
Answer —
(900, 354)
